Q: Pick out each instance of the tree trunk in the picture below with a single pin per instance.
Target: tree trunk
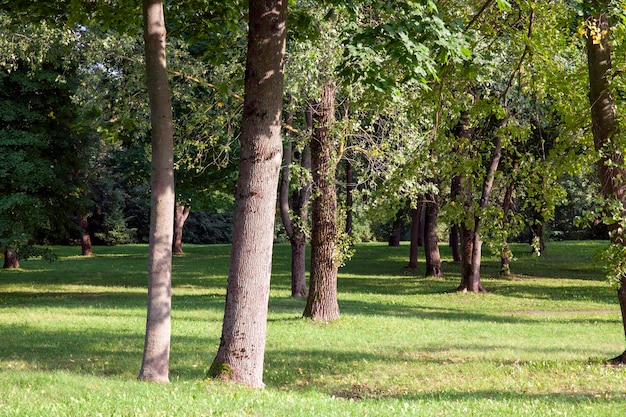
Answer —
(416, 214)
(604, 127)
(322, 301)
(349, 200)
(455, 190)
(396, 231)
(431, 241)
(242, 346)
(155, 363)
(453, 241)
(85, 238)
(294, 228)
(298, 245)
(466, 236)
(181, 213)
(10, 259)
(474, 281)
(505, 256)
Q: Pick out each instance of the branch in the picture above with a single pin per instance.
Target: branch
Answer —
(529, 35)
(477, 15)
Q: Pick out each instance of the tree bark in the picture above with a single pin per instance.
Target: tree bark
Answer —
(505, 256)
(181, 213)
(349, 199)
(416, 215)
(242, 346)
(295, 228)
(474, 282)
(155, 363)
(431, 239)
(85, 238)
(455, 190)
(396, 231)
(322, 301)
(604, 127)
(298, 246)
(10, 259)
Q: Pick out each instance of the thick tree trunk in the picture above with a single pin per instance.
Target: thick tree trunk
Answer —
(155, 363)
(10, 259)
(604, 126)
(181, 213)
(322, 301)
(242, 346)
(416, 215)
(85, 237)
(431, 241)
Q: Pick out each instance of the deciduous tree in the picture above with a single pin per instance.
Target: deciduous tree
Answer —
(242, 345)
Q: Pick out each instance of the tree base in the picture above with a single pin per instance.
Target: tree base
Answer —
(464, 289)
(618, 360)
(300, 294)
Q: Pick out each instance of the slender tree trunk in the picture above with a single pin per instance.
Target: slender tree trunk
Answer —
(455, 190)
(181, 213)
(295, 229)
(474, 281)
(453, 241)
(396, 231)
(242, 346)
(155, 363)
(466, 235)
(604, 127)
(505, 256)
(349, 200)
(431, 241)
(10, 259)
(416, 215)
(85, 238)
(298, 246)
(322, 301)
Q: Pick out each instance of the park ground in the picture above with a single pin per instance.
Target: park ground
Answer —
(71, 339)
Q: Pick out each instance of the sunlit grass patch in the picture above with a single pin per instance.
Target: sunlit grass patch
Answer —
(72, 339)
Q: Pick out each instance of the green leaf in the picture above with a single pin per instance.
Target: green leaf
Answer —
(504, 5)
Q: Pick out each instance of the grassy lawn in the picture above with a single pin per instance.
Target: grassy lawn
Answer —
(71, 339)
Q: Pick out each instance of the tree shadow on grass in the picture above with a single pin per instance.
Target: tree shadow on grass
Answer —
(339, 374)
(98, 352)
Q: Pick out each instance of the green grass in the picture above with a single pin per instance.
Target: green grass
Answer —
(71, 339)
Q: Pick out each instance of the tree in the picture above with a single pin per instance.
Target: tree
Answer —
(155, 362)
(242, 345)
(294, 205)
(431, 239)
(41, 150)
(322, 301)
(606, 137)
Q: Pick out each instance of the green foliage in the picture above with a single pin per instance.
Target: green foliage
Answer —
(42, 153)
(406, 43)
(208, 228)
